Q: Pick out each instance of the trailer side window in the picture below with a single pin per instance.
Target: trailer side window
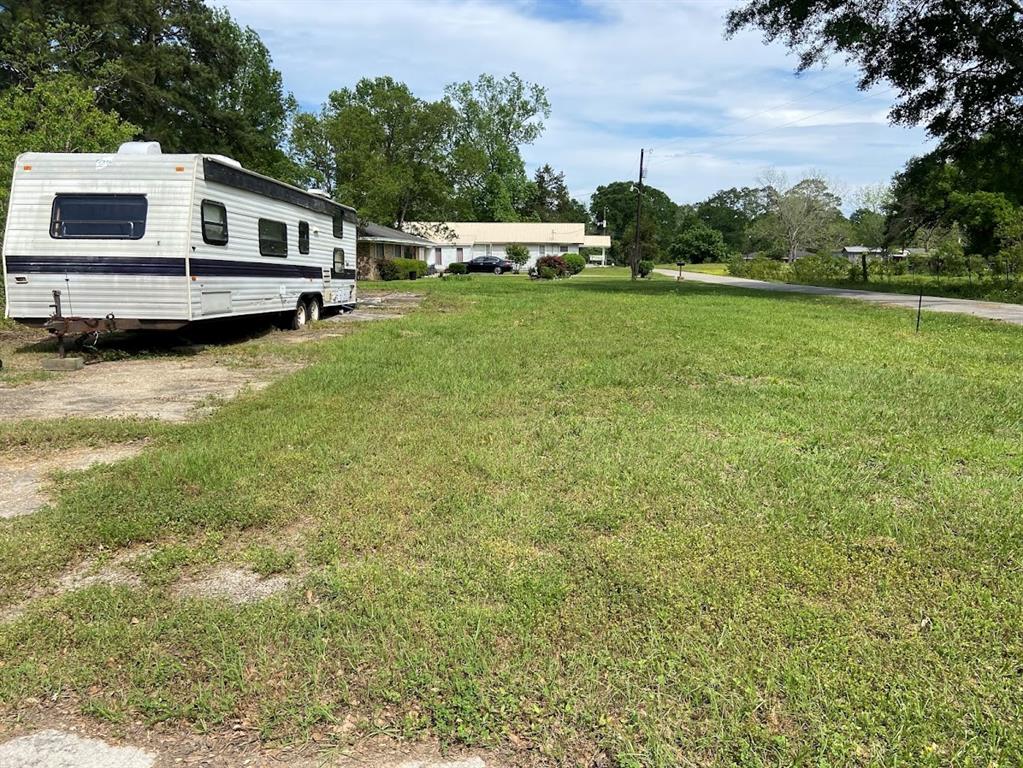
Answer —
(98, 217)
(339, 225)
(303, 237)
(273, 238)
(214, 223)
(339, 262)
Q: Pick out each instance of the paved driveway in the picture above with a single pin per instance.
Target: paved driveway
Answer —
(992, 310)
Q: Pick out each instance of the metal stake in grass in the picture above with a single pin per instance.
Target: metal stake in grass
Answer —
(919, 307)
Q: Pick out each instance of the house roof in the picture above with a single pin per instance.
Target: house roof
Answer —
(378, 233)
(597, 241)
(860, 249)
(472, 232)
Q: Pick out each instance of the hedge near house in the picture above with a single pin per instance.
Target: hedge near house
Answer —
(402, 269)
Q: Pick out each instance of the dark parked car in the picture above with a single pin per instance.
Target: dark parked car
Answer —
(490, 264)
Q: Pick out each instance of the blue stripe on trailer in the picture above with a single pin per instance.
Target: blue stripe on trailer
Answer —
(227, 268)
(96, 265)
(159, 266)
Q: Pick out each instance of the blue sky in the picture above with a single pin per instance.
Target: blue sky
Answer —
(716, 113)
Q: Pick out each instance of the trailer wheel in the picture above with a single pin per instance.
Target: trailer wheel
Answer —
(314, 309)
(300, 316)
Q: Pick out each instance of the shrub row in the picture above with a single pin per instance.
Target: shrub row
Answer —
(457, 268)
(402, 269)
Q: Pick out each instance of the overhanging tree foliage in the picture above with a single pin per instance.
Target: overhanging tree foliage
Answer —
(957, 64)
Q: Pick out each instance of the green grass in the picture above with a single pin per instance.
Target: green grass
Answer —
(709, 268)
(668, 523)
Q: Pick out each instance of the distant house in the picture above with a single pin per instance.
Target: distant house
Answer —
(855, 253)
(377, 242)
(454, 241)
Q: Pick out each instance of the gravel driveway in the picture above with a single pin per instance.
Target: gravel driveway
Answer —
(991, 310)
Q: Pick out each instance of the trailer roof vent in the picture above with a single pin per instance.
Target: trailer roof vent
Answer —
(225, 160)
(139, 148)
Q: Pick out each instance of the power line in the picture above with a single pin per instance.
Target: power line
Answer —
(740, 121)
(737, 139)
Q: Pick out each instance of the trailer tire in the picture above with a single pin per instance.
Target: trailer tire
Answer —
(300, 316)
(315, 310)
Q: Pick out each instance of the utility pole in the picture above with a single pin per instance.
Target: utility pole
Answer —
(634, 260)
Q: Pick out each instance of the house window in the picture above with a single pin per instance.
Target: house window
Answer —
(437, 256)
(459, 254)
(303, 237)
(563, 249)
(214, 223)
(543, 251)
(98, 217)
(273, 238)
(338, 267)
(339, 225)
(490, 250)
(380, 250)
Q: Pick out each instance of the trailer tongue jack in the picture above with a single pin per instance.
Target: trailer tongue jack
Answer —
(76, 327)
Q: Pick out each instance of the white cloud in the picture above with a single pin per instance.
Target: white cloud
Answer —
(643, 73)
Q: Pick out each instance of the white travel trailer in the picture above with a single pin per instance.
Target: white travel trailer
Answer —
(140, 239)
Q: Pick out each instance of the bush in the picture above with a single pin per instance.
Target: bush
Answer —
(759, 268)
(820, 267)
(645, 267)
(550, 267)
(458, 268)
(402, 269)
(574, 262)
(546, 273)
(517, 254)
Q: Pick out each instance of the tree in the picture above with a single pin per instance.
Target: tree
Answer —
(957, 64)
(492, 119)
(183, 72)
(618, 200)
(549, 199)
(517, 254)
(698, 243)
(623, 248)
(57, 115)
(380, 148)
(732, 211)
(976, 191)
(800, 217)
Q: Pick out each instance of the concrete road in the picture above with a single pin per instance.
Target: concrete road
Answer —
(991, 310)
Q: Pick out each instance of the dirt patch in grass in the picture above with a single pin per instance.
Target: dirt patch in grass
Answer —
(23, 477)
(170, 390)
(235, 744)
(114, 571)
(235, 585)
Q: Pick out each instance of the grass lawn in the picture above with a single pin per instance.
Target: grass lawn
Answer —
(666, 523)
(709, 268)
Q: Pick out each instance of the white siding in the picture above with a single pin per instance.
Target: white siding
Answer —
(128, 296)
(449, 252)
(251, 295)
